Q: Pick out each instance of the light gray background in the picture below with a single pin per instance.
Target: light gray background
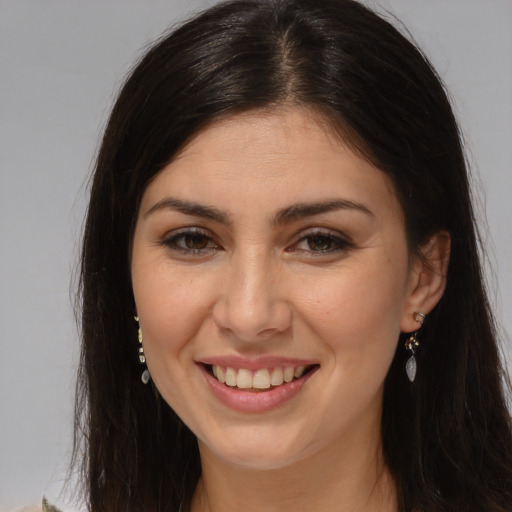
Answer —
(60, 64)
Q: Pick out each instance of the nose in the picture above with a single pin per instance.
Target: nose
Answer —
(251, 306)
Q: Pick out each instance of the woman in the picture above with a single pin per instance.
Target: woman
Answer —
(280, 243)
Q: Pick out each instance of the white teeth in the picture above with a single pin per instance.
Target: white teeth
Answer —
(260, 379)
(299, 371)
(277, 377)
(230, 376)
(244, 379)
(221, 377)
(288, 373)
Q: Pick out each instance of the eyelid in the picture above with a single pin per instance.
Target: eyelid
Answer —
(324, 231)
(196, 230)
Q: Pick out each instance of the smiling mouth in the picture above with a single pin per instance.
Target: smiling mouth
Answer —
(258, 380)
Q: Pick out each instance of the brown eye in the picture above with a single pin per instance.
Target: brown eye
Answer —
(191, 241)
(195, 242)
(320, 243)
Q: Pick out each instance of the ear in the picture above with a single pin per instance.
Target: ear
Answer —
(427, 279)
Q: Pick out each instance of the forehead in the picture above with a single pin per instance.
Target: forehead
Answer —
(262, 132)
(287, 156)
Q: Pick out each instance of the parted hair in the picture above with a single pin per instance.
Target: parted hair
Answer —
(447, 437)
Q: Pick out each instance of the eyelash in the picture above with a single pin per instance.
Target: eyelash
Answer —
(336, 243)
(177, 242)
(173, 242)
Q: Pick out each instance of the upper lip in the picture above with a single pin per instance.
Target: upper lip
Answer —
(255, 363)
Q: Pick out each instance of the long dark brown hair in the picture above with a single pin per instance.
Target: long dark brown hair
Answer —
(447, 437)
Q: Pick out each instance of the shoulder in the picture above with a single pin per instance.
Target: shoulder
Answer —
(47, 507)
(44, 507)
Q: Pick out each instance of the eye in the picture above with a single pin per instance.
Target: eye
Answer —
(191, 241)
(320, 243)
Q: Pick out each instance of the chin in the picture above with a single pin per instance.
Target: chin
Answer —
(253, 453)
(256, 461)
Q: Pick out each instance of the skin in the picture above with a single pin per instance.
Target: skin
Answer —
(336, 288)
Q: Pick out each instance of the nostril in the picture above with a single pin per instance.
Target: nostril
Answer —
(250, 316)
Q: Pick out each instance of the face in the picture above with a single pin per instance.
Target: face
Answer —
(271, 274)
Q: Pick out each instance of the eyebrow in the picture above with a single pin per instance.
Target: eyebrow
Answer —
(302, 210)
(286, 215)
(190, 208)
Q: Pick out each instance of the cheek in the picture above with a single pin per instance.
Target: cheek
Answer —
(360, 307)
(172, 306)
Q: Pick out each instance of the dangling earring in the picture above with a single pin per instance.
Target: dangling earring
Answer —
(142, 357)
(411, 345)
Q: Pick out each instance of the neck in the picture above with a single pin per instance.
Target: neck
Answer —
(348, 475)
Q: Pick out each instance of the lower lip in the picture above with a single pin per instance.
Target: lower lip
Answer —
(255, 401)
